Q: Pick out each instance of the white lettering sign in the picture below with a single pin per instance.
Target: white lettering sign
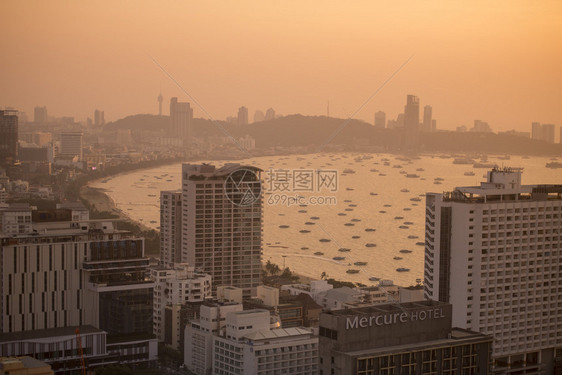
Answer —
(393, 318)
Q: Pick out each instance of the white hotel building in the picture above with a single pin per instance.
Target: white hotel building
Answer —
(173, 286)
(494, 252)
(221, 231)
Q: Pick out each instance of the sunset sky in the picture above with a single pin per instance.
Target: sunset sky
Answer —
(498, 61)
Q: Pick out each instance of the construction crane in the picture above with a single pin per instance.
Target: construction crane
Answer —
(80, 351)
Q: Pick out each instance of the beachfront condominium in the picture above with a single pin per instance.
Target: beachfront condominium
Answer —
(493, 252)
(222, 223)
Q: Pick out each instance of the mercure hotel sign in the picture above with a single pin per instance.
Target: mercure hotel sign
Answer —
(393, 318)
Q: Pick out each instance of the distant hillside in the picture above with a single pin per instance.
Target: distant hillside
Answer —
(315, 131)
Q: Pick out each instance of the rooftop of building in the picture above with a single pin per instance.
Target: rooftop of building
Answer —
(210, 171)
(277, 333)
(387, 308)
(49, 332)
(503, 185)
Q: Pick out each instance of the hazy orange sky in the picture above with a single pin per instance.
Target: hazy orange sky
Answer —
(496, 61)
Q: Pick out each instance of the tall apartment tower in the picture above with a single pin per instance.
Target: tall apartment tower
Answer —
(99, 118)
(8, 136)
(170, 227)
(242, 116)
(412, 113)
(536, 131)
(222, 223)
(181, 119)
(494, 252)
(427, 119)
(548, 132)
(380, 120)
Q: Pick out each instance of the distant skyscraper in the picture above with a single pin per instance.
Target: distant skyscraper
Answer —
(412, 113)
(99, 118)
(427, 118)
(40, 115)
(270, 114)
(259, 116)
(181, 119)
(8, 136)
(548, 133)
(433, 125)
(222, 226)
(493, 252)
(536, 131)
(380, 120)
(71, 144)
(242, 116)
(160, 99)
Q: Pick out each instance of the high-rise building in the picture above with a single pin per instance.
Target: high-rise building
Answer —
(242, 116)
(259, 116)
(270, 114)
(176, 286)
(427, 119)
(69, 273)
(406, 338)
(493, 252)
(222, 223)
(170, 227)
(536, 131)
(380, 120)
(433, 125)
(99, 119)
(181, 119)
(160, 99)
(71, 144)
(40, 115)
(410, 134)
(8, 136)
(412, 113)
(548, 133)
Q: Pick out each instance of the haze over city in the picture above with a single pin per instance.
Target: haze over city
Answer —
(498, 62)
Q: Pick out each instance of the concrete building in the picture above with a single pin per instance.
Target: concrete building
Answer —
(181, 120)
(40, 115)
(380, 120)
(493, 252)
(536, 131)
(8, 136)
(410, 338)
(250, 346)
(481, 127)
(242, 116)
(270, 114)
(222, 223)
(199, 333)
(99, 118)
(259, 116)
(170, 227)
(412, 113)
(15, 219)
(427, 125)
(175, 286)
(72, 144)
(548, 131)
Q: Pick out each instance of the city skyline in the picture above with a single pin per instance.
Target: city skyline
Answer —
(505, 73)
